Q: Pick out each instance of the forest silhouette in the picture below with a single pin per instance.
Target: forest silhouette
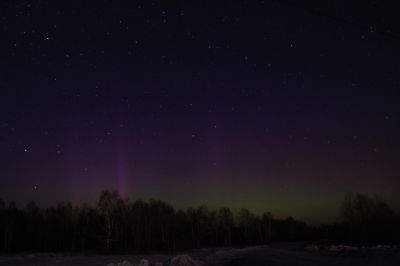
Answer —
(119, 225)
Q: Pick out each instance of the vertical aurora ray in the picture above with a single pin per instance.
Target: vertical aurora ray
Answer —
(122, 175)
(121, 160)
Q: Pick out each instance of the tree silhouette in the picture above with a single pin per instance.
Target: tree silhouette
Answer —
(225, 225)
(108, 204)
(367, 220)
(119, 225)
(246, 225)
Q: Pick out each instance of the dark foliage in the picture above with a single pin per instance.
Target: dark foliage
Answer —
(117, 225)
(367, 221)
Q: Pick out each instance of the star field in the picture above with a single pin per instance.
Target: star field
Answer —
(270, 105)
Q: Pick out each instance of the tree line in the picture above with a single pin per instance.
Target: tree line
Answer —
(119, 225)
(367, 220)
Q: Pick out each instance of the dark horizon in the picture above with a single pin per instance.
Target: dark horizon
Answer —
(337, 219)
(267, 105)
(116, 225)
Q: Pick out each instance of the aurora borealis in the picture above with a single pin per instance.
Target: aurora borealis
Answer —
(268, 105)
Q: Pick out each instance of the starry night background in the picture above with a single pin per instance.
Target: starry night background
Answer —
(270, 105)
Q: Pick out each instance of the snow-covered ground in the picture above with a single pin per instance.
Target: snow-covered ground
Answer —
(298, 254)
(276, 254)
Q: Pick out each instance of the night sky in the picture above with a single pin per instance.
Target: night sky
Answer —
(275, 106)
